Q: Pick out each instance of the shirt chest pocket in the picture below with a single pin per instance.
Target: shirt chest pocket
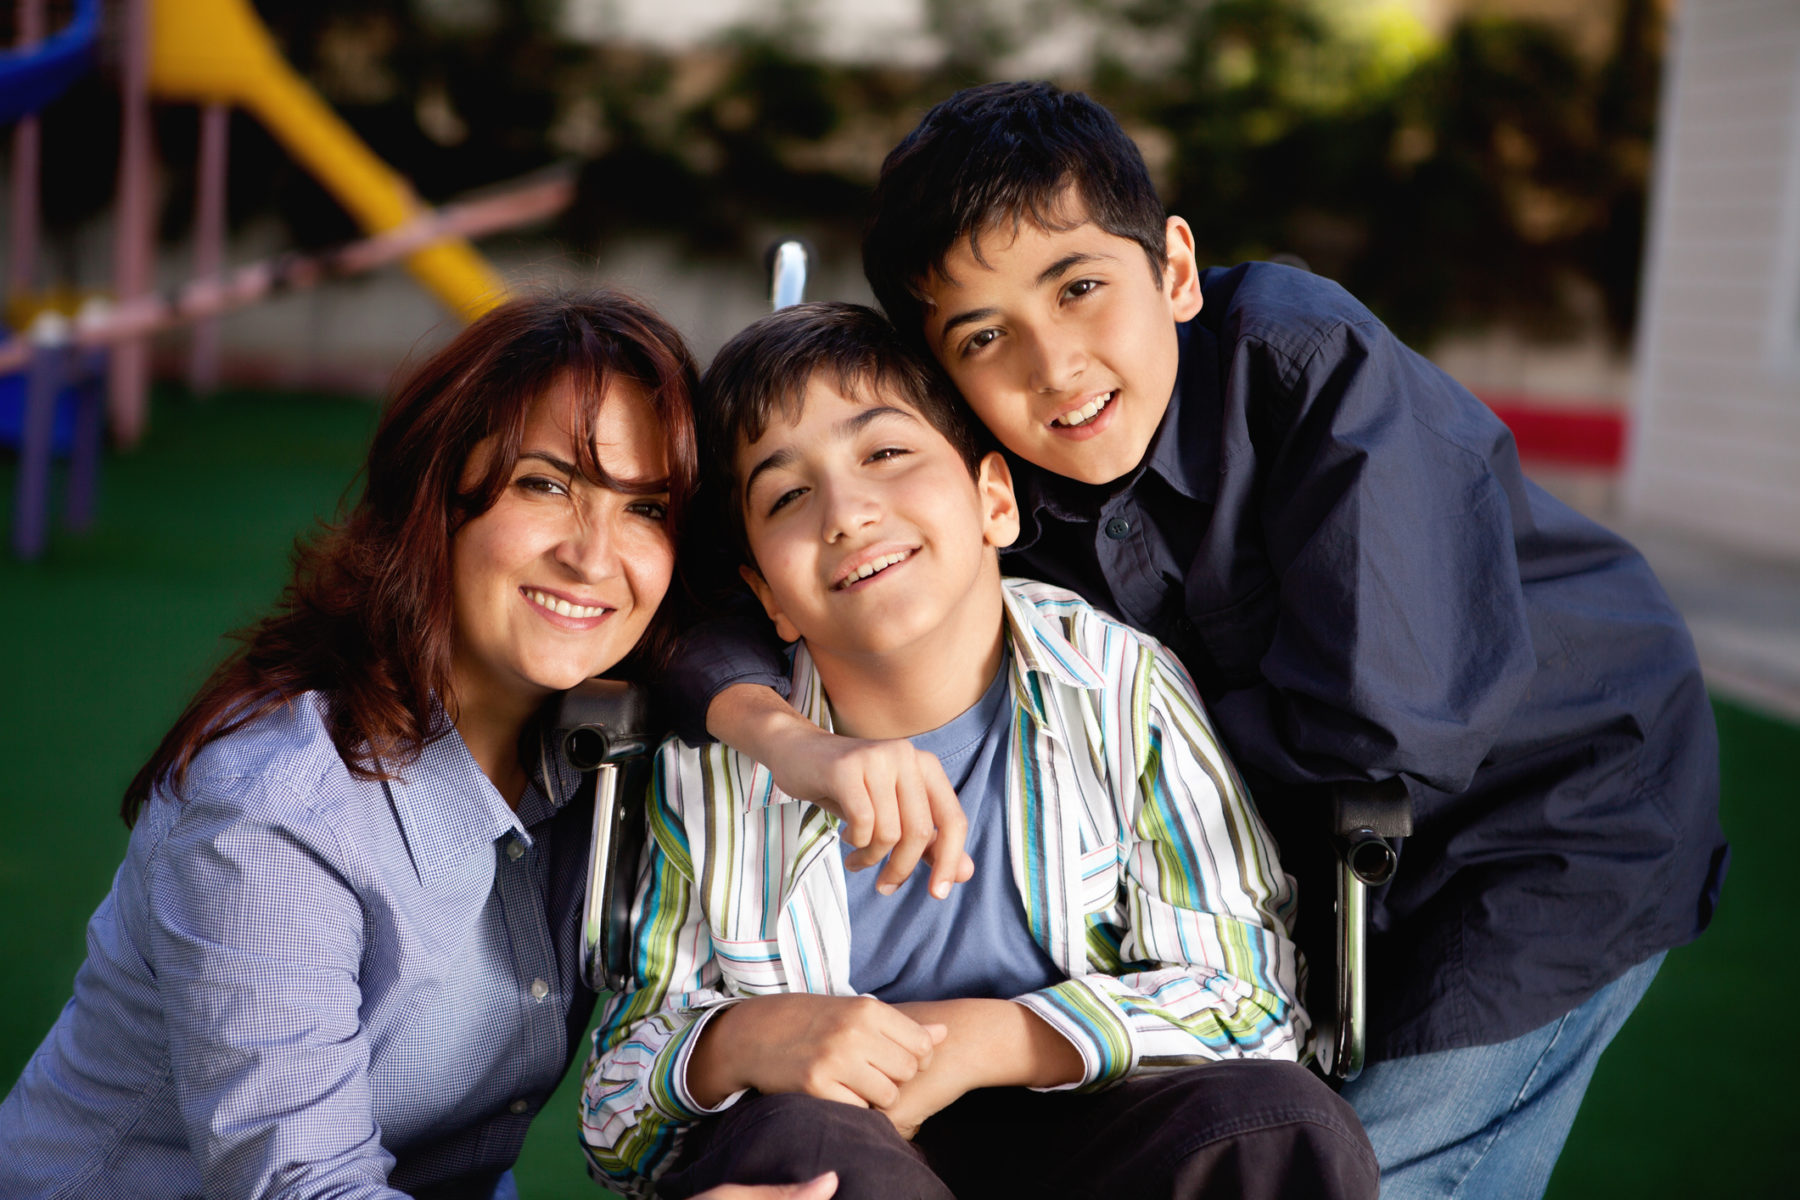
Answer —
(1233, 639)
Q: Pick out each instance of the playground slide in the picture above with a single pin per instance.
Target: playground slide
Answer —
(219, 51)
(30, 79)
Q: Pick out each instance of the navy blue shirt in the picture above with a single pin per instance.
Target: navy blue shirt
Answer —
(1337, 540)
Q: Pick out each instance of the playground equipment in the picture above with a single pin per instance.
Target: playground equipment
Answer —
(218, 54)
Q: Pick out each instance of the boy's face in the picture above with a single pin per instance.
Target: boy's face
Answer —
(868, 532)
(1062, 342)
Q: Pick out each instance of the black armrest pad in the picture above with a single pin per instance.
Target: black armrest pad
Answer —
(1385, 808)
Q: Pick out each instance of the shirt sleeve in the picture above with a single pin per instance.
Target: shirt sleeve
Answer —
(1401, 639)
(257, 942)
(735, 645)
(1204, 967)
(635, 1099)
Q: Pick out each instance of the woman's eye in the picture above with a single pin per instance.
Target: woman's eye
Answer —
(655, 510)
(782, 500)
(542, 485)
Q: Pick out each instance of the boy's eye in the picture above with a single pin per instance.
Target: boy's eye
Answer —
(782, 500)
(886, 453)
(1080, 288)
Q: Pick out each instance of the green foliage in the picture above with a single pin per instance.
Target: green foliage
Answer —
(1496, 174)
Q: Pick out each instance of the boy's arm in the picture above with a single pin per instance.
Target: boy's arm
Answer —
(1402, 642)
(894, 799)
(728, 679)
(1205, 968)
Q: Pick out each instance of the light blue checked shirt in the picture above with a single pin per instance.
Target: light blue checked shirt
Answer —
(306, 984)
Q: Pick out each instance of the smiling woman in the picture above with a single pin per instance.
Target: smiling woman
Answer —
(341, 954)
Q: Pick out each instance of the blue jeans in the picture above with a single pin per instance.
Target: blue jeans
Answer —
(1489, 1121)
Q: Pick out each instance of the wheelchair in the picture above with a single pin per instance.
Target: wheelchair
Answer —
(602, 730)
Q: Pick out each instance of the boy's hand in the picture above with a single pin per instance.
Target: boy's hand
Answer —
(895, 800)
(853, 1049)
(989, 1043)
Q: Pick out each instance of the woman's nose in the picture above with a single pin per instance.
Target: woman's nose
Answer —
(589, 547)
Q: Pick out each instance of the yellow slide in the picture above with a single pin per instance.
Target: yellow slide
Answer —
(219, 51)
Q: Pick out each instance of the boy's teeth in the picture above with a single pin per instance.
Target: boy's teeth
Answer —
(1085, 413)
(871, 567)
(563, 608)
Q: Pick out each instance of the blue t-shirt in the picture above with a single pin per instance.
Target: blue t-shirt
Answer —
(910, 946)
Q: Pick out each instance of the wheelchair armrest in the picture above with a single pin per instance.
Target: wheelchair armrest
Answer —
(601, 728)
(1364, 817)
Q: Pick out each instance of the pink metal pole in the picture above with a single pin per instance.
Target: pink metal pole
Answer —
(129, 378)
(209, 239)
(26, 160)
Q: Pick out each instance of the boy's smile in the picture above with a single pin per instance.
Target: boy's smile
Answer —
(1062, 341)
(872, 540)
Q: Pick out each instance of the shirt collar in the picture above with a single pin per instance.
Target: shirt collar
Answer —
(448, 808)
(1184, 452)
(1039, 648)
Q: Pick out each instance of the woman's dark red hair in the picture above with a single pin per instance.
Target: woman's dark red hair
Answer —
(367, 617)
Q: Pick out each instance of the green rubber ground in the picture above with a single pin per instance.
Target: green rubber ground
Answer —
(106, 637)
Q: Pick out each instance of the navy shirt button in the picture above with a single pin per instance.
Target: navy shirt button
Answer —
(1185, 625)
(1117, 528)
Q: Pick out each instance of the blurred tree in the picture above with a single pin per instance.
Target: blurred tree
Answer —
(1495, 174)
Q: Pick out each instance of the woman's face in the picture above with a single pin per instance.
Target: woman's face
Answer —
(558, 580)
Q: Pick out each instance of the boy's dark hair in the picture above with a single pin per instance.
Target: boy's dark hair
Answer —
(761, 375)
(1002, 151)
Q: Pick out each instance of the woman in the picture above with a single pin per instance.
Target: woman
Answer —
(341, 954)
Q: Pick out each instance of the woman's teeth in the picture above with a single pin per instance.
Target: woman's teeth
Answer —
(1086, 412)
(563, 608)
(871, 567)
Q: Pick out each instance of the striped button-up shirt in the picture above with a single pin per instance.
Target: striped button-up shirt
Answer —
(1145, 873)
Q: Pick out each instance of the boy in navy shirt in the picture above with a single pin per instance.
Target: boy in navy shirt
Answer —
(1338, 542)
(1122, 946)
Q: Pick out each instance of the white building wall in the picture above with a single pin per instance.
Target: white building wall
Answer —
(1715, 444)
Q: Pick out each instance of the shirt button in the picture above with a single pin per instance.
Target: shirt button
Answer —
(518, 1107)
(515, 849)
(539, 990)
(1117, 528)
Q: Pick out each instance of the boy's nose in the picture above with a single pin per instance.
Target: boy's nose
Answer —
(1056, 363)
(847, 510)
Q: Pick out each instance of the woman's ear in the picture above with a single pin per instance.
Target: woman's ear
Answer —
(784, 628)
(1181, 271)
(999, 505)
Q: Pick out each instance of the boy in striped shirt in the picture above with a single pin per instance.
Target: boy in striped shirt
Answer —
(1109, 1004)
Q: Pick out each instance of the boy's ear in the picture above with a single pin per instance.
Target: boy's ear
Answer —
(784, 628)
(999, 505)
(1181, 270)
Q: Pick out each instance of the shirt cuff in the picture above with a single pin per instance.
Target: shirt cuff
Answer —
(669, 1074)
(1094, 1025)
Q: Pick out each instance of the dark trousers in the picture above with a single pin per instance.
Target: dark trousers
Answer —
(1244, 1129)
